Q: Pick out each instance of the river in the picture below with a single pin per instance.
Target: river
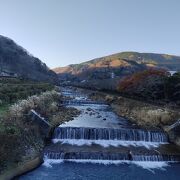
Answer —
(100, 145)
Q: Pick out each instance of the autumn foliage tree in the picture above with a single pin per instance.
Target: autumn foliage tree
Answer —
(138, 78)
(152, 85)
(148, 84)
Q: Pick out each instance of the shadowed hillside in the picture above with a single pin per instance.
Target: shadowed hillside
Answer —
(15, 61)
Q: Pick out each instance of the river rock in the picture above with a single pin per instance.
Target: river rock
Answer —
(89, 109)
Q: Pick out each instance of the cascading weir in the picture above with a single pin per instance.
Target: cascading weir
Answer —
(65, 148)
(109, 156)
(87, 155)
(170, 158)
(109, 134)
(97, 152)
(82, 102)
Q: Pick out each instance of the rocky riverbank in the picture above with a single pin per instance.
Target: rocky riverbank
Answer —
(144, 114)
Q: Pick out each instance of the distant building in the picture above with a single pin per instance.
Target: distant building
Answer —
(8, 74)
(172, 72)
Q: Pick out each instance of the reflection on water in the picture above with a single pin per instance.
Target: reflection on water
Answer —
(96, 116)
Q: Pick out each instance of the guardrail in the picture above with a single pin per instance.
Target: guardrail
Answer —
(173, 126)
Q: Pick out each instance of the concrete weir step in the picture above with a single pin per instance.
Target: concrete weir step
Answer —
(82, 102)
(128, 134)
(95, 152)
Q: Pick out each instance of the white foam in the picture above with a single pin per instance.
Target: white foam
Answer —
(149, 165)
(107, 143)
(105, 162)
(48, 162)
(81, 98)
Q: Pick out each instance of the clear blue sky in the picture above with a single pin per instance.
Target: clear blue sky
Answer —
(62, 32)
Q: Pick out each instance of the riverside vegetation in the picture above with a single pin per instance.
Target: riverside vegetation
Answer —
(13, 89)
(21, 140)
(152, 85)
(25, 83)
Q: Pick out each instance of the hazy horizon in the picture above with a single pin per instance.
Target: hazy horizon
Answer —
(69, 32)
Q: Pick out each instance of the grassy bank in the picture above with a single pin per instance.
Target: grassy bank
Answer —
(21, 140)
(13, 89)
(145, 114)
(3, 109)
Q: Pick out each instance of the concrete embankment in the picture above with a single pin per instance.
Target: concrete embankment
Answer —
(22, 168)
(35, 158)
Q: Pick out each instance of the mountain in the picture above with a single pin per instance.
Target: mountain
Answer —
(119, 64)
(15, 61)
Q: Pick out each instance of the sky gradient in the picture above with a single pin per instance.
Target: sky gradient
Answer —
(62, 32)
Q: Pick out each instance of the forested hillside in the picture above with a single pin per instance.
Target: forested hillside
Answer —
(17, 62)
(120, 64)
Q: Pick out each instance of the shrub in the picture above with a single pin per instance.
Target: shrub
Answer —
(13, 90)
(152, 85)
(137, 78)
(44, 103)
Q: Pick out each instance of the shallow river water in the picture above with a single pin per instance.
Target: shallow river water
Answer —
(89, 171)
